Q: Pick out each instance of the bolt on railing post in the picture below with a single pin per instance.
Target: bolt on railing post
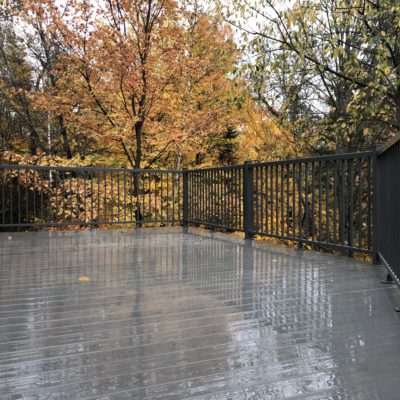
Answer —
(248, 196)
(375, 207)
(185, 175)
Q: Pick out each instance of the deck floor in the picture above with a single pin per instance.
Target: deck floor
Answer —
(167, 314)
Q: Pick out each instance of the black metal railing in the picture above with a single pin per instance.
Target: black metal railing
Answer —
(215, 197)
(63, 196)
(349, 202)
(388, 207)
(324, 201)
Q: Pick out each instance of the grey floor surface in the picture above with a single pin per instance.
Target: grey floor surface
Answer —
(166, 314)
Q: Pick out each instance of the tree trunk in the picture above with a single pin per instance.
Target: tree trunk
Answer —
(33, 142)
(63, 133)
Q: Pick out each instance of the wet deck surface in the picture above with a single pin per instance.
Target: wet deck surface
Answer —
(172, 315)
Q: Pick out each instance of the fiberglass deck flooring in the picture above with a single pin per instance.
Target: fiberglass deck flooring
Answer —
(168, 314)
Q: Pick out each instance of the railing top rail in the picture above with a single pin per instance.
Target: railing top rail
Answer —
(230, 167)
(330, 157)
(388, 145)
(344, 156)
(88, 169)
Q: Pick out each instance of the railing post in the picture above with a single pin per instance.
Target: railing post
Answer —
(375, 207)
(248, 196)
(185, 175)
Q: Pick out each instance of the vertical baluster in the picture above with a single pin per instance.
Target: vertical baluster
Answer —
(342, 203)
(351, 200)
(56, 189)
(71, 204)
(3, 173)
(91, 199)
(49, 195)
(239, 197)
(161, 205)
(203, 187)
(256, 199)
(112, 196)
(194, 210)
(63, 197)
(34, 194)
(180, 188)
(152, 181)
(85, 195)
(41, 198)
(234, 210)
(335, 195)
(199, 208)
(267, 201)
(77, 196)
(359, 208)
(211, 196)
(327, 194)
(261, 228)
(173, 197)
(313, 211)
(202, 210)
(168, 197)
(234, 204)
(192, 191)
(294, 219)
(199, 183)
(300, 203)
(277, 200)
(131, 195)
(218, 194)
(11, 197)
(98, 197)
(124, 172)
(217, 216)
(118, 198)
(105, 196)
(225, 195)
(369, 204)
(320, 237)
(282, 202)
(287, 200)
(19, 197)
(190, 194)
(26, 196)
(271, 176)
(306, 202)
(143, 196)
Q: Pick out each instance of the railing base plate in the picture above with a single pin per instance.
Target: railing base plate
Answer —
(389, 280)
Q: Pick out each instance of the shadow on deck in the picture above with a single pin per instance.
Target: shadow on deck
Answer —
(166, 314)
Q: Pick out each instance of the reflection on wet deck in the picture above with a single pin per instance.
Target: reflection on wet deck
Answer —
(166, 314)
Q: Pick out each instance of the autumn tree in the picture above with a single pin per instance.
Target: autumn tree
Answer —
(327, 70)
(153, 77)
(18, 117)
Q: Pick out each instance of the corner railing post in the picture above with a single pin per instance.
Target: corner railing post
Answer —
(185, 175)
(248, 196)
(375, 207)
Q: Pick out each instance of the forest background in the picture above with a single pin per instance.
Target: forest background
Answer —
(164, 83)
